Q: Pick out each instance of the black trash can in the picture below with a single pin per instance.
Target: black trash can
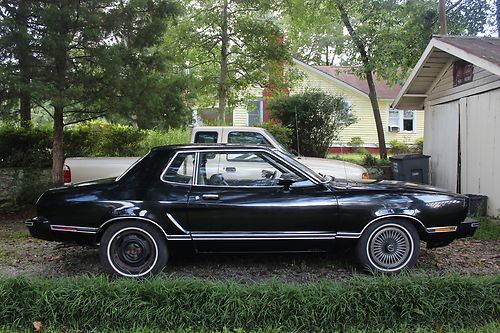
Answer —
(412, 168)
(478, 204)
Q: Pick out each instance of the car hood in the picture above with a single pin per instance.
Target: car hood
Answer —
(391, 185)
(335, 168)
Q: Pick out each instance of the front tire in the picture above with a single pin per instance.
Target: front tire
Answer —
(388, 246)
(133, 249)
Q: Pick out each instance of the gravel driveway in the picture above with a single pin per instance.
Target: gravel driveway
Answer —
(22, 255)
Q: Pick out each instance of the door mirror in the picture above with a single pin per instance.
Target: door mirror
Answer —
(286, 180)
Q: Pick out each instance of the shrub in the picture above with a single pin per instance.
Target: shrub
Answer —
(398, 147)
(419, 145)
(25, 147)
(356, 143)
(99, 304)
(280, 132)
(20, 147)
(369, 160)
(318, 116)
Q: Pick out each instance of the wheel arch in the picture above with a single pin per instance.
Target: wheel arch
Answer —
(419, 225)
(114, 220)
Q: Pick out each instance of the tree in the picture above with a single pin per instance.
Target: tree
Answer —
(79, 46)
(314, 39)
(227, 46)
(314, 117)
(16, 46)
(387, 37)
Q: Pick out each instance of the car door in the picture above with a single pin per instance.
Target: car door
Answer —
(237, 197)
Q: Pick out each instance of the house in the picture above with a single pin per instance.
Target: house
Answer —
(404, 126)
(457, 84)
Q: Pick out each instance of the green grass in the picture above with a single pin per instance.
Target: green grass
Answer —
(489, 229)
(98, 304)
(492, 327)
(358, 158)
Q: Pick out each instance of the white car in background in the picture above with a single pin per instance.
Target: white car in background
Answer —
(81, 169)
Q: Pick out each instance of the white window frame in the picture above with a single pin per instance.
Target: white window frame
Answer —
(400, 125)
(261, 110)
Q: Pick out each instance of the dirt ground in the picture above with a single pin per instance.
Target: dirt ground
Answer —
(21, 254)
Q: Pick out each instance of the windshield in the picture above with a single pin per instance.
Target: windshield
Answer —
(290, 159)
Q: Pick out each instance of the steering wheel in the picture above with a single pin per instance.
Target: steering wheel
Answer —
(274, 175)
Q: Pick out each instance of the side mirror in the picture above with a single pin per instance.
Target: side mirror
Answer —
(286, 180)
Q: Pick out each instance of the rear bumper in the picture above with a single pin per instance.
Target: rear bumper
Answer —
(41, 228)
(466, 229)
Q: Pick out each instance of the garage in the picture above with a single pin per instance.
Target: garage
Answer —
(457, 84)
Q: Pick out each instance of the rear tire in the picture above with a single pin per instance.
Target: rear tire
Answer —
(133, 249)
(388, 246)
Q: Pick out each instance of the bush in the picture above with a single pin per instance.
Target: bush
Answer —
(99, 304)
(25, 147)
(32, 147)
(369, 160)
(356, 143)
(419, 145)
(398, 147)
(281, 133)
(318, 116)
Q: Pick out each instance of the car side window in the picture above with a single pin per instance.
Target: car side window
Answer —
(206, 137)
(180, 169)
(243, 169)
(243, 137)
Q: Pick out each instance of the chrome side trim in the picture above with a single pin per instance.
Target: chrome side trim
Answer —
(73, 228)
(171, 218)
(167, 236)
(434, 230)
(348, 235)
(230, 236)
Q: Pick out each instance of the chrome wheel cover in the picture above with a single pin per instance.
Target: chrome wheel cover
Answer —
(390, 247)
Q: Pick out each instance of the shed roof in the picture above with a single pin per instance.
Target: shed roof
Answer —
(345, 76)
(439, 55)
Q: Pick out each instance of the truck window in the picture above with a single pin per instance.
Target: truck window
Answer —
(247, 138)
(205, 137)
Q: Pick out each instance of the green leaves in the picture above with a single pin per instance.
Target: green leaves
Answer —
(315, 117)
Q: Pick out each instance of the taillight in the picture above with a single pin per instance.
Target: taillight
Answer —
(365, 175)
(66, 174)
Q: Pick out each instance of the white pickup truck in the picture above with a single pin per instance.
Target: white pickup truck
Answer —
(81, 169)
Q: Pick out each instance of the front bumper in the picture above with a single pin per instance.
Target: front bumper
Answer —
(467, 228)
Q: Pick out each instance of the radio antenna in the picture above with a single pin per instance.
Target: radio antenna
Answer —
(297, 131)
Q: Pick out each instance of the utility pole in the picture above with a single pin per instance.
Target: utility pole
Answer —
(443, 28)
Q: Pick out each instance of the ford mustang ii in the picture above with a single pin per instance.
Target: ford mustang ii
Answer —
(230, 198)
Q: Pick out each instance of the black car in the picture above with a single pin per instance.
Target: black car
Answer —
(227, 198)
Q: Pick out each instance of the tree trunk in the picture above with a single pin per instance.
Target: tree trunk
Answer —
(376, 114)
(57, 147)
(23, 55)
(369, 79)
(222, 91)
(443, 27)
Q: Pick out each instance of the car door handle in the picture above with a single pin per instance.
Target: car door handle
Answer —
(230, 169)
(210, 197)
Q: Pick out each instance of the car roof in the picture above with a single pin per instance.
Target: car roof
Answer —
(212, 146)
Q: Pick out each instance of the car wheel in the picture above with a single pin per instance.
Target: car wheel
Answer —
(388, 246)
(133, 249)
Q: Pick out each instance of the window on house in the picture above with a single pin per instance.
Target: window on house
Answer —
(393, 122)
(255, 112)
(401, 120)
(408, 120)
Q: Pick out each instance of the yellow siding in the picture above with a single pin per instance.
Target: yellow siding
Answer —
(361, 108)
